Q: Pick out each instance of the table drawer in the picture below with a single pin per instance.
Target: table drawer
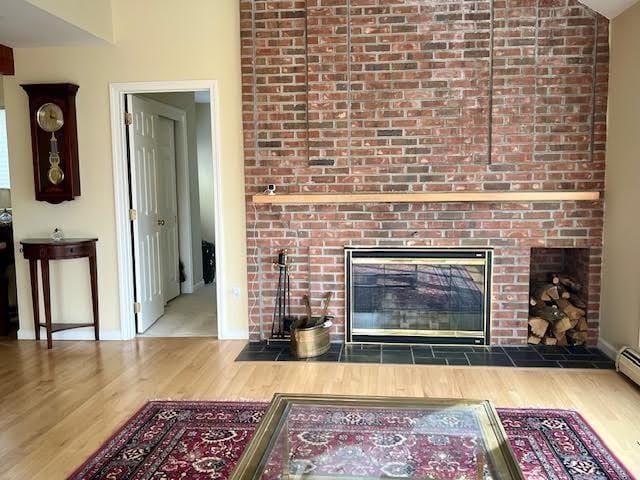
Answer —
(56, 252)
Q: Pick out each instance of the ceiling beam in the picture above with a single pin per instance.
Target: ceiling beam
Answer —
(6, 61)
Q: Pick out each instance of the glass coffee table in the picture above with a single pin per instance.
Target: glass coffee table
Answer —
(356, 438)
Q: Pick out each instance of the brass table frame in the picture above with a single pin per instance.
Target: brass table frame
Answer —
(498, 448)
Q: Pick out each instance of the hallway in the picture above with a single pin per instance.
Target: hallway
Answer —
(188, 315)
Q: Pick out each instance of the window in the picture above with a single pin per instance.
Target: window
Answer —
(4, 154)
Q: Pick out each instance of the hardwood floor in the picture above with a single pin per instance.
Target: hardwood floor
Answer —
(58, 406)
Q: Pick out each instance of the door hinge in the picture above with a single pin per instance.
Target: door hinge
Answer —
(137, 307)
(133, 214)
(128, 118)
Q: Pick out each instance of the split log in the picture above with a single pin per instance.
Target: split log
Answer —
(550, 313)
(562, 326)
(569, 309)
(571, 284)
(546, 292)
(533, 340)
(578, 302)
(562, 341)
(564, 293)
(577, 338)
(582, 325)
(550, 340)
(538, 326)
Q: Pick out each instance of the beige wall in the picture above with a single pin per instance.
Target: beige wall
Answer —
(620, 314)
(156, 40)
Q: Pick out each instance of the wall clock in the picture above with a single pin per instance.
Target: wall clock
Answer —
(54, 141)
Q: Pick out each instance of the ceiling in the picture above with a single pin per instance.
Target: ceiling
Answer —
(609, 8)
(22, 24)
(25, 25)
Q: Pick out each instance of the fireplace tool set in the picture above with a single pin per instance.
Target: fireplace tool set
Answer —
(310, 334)
(281, 325)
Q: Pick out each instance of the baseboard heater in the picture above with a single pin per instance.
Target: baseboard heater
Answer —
(628, 363)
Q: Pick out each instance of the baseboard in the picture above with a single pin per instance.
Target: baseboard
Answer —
(608, 349)
(186, 287)
(234, 335)
(75, 334)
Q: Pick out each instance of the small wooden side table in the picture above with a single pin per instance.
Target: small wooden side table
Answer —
(45, 250)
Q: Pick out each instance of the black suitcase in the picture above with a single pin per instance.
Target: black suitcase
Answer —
(208, 262)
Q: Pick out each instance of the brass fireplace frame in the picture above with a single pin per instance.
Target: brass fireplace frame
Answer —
(439, 256)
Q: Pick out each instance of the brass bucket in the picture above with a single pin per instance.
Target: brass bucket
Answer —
(311, 342)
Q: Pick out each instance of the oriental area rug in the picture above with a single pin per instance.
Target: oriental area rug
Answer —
(169, 440)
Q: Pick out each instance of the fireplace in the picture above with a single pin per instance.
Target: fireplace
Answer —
(418, 296)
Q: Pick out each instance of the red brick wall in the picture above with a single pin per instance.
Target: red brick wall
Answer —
(418, 95)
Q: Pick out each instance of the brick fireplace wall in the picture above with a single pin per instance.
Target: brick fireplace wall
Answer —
(421, 96)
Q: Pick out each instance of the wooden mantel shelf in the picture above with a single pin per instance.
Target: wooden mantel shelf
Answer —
(324, 198)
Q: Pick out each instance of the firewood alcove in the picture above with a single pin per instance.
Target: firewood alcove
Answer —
(559, 290)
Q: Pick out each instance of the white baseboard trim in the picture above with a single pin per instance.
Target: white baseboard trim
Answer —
(75, 334)
(234, 335)
(186, 287)
(608, 349)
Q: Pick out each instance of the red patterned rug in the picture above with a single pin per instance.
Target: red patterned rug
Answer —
(204, 440)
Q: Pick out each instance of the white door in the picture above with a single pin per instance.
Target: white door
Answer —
(148, 175)
(168, 207)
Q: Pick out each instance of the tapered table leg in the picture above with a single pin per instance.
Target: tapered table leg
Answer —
(33, 273)
(46, 295)
(93, 270)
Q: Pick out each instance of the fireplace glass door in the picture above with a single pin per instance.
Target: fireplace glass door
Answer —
(420, 297)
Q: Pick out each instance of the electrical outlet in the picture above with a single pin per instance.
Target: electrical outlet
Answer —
(235, 291)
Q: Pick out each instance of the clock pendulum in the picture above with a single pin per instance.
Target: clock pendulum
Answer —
(55, 174)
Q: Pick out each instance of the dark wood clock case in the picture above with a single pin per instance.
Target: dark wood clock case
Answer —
(63, 95)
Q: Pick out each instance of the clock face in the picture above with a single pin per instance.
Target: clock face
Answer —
(49, 117)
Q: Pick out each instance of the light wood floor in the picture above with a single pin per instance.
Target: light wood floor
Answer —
(57, 407)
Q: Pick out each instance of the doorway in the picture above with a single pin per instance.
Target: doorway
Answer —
(170, 265)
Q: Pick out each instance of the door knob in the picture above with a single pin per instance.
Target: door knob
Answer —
(161, 223)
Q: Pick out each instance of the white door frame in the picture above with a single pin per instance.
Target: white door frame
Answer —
(126, 296)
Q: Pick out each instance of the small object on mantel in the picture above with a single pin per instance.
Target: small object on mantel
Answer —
(46, 249)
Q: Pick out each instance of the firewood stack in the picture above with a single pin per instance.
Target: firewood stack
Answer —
(557, 312)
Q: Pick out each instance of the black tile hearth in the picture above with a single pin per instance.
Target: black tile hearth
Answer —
(460, 355)
(490, 359)
(430, 361)
(397, 356)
